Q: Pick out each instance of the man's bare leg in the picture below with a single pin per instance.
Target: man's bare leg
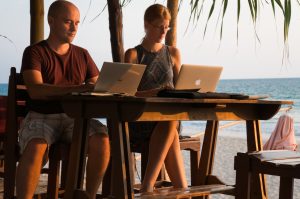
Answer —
(98, 158)
(29, 168)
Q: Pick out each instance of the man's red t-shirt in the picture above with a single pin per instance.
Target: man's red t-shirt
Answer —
(73, 68)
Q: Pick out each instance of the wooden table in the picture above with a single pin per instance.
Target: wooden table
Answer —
(119, 110)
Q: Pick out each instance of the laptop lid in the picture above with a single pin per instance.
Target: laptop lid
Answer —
(200, 77)
(117, 77)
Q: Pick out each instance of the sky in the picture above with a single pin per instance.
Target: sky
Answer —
(247, 58)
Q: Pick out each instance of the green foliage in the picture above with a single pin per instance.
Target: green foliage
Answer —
(123, 3)
(254, 6)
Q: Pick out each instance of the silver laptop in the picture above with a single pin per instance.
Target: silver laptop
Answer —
(118, 78)
(204, 78)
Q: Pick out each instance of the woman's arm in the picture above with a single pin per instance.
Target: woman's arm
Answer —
(131, 56)
(176, 58)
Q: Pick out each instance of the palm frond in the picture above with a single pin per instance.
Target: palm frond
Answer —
(238, 20)
(99, 13)
(287, 18)
(10, 41)
(125, 3)
(254, 7)
(195, 12)
(273, 6)
(179, 5)
(225, 3)
(209, 15)
(279, 4)
(87, 11)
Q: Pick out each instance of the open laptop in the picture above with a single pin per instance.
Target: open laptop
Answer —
(118, 78)
(204, 78)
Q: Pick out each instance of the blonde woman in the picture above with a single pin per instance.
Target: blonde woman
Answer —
(163, 65)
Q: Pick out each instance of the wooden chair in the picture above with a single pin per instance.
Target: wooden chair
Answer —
(283, 163)
(3, 105)
(16, 110)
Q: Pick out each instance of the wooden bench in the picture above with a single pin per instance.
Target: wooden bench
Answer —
(194, 191)
(283, 163)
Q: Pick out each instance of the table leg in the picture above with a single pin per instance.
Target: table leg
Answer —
(119, 188)
(128, 160)
(208, 151)
(77, 158)
(254, 142)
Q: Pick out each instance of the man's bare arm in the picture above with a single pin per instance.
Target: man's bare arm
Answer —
(37, 89)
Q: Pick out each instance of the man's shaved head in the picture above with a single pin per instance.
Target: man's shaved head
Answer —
(59, 6)
(63, 20)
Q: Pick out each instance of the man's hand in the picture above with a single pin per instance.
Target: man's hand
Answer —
(37, 89)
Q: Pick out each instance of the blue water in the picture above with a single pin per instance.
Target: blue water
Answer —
(283, 89)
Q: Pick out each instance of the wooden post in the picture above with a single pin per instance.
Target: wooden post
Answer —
(116, 30)
(36, 21)
(171, 37)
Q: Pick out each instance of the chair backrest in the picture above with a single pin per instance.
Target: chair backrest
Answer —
(16, 106)
(16, 111)
(3, 111)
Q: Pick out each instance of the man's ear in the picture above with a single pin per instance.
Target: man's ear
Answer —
(50, 20)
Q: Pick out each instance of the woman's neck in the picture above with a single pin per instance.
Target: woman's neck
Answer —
(151, 46)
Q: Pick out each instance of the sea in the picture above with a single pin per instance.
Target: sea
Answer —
(277, 89)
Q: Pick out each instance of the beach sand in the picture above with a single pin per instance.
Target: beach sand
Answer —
(227, 148)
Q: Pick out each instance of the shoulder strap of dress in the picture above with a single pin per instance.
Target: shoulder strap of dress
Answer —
(140, 53)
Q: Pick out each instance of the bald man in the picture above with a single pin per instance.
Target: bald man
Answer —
(56, 67)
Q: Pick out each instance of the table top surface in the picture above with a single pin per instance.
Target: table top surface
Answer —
(171, 100)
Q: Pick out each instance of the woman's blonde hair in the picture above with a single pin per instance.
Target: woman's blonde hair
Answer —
(157, 11)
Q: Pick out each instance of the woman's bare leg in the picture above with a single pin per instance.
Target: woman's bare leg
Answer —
(162, 139)
(174, 164)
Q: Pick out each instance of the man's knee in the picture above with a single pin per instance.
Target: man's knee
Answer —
(35, 148)
(36, 144)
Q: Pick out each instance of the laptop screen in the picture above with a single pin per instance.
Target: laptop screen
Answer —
(204, 78)
(117, 77)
